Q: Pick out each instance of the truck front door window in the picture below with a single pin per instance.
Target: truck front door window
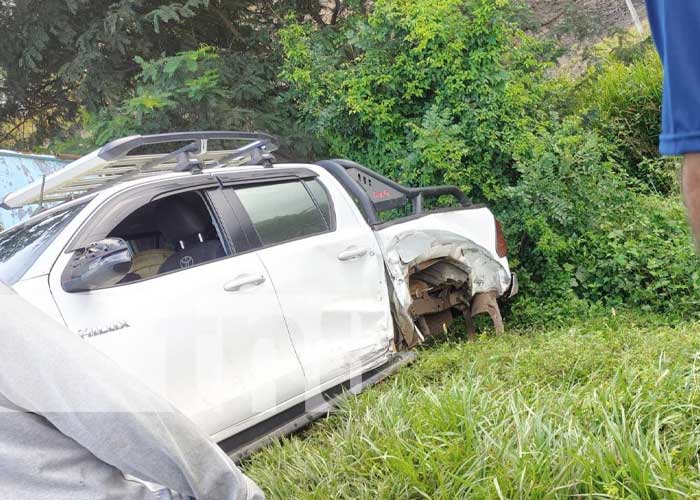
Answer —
(170, 234)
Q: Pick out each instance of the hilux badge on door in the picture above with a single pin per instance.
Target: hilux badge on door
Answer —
(94, 332)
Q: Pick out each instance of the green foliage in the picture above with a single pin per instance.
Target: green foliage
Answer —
(621, 98)
(185, 90)
(568, 182)
(59, 58)
(422, 91)
(175, 12)
(454, 93)
(204, 89)
(642, 258)
(584, 238)
(606, 408)
(591, 212)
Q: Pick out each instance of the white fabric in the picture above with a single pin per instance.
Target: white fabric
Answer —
(72, 424)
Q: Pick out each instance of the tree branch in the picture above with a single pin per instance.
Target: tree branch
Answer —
(337, 10)
(224, 19)
(555, 18)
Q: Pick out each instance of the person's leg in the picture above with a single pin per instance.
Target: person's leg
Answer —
(691, 192)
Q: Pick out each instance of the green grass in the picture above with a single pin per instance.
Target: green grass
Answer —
(605, 409)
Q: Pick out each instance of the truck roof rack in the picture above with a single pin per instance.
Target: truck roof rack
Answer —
(143, 156)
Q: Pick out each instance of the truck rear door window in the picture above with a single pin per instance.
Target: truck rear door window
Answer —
(285, 211)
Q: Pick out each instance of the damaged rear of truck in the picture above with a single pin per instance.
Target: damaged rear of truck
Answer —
(441, 263)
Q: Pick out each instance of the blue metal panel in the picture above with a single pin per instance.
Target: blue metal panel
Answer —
(16, 171)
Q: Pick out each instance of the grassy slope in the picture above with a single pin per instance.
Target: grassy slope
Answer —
(606, 408)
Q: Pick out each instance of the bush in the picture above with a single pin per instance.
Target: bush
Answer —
(621, 98)
(452, 92)
(584, 238)
(425, 92)
(172, 91)
(203, 89)
(642, 257)
(658, 174)
(569, 180)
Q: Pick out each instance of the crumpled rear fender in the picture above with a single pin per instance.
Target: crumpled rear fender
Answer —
(487, 279)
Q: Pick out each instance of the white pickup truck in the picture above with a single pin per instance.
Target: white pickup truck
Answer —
(248, 292)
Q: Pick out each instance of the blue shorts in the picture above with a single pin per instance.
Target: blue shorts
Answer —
(675, 25)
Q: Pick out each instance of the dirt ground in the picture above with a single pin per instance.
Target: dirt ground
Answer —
(578, 25)
(597, 17)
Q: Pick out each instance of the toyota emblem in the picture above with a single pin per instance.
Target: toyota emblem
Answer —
(186, 261)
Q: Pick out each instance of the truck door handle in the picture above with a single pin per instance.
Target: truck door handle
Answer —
(244, 280)
(353, 252)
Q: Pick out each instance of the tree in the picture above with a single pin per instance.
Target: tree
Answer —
(427, 92)
(60, 56)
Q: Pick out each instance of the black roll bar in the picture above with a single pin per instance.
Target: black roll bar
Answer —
(365, 203)
(338, 168)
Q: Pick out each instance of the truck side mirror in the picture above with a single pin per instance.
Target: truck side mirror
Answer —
(101, 264)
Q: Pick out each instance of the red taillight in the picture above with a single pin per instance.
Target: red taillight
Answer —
(501, 245)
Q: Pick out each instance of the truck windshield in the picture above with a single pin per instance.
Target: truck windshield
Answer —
(22, 245)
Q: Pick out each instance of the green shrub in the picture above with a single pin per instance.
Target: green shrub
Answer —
(584, 238)
(170, 90)
(642, 257)
(203, 89)
(658, 174)
(452, 92)
(568, 181)
(427, 92)
(621, 98)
